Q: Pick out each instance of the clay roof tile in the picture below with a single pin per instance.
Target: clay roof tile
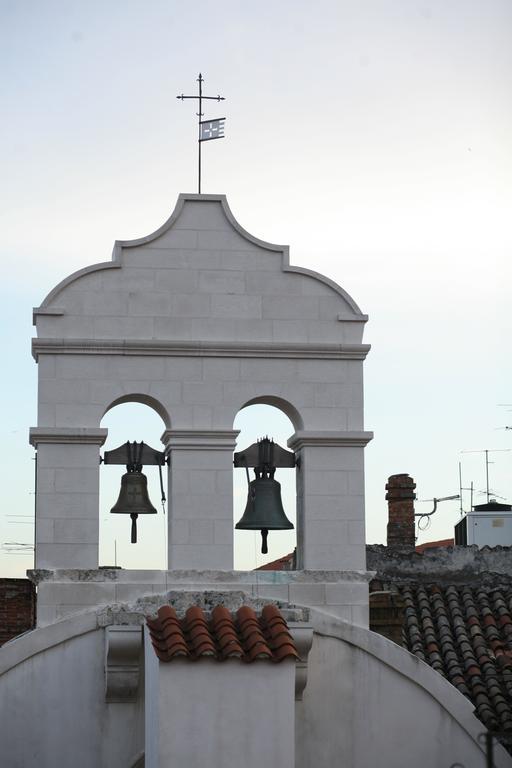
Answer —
(248, 637)
(465, 634)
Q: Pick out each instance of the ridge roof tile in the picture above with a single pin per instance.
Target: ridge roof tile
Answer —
(221, 635)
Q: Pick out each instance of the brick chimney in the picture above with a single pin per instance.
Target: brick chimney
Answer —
(400, 497)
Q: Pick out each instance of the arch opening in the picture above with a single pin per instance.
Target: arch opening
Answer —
(147, 400)
(132, 420)
(280, 404)
(260, 418)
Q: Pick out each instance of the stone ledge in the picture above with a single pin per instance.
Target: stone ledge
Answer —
(155, 348)
(67, 435)
(41, 575)
(326, 438)
(198, 439)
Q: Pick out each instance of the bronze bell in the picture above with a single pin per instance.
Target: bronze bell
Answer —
(264, 510)
(133, 499)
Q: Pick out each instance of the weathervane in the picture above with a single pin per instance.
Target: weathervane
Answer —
(207, 129)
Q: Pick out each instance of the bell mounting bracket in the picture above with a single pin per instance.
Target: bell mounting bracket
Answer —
(265, 456)
(134, 456)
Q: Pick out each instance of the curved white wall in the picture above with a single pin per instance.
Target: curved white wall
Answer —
(368, 702)
(53, 712)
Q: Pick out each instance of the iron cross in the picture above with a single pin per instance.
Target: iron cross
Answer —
(200, 98)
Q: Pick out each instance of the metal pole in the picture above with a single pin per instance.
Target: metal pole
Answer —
(200, 98)
(35, 507)
(487, 473)
(460, 488)
(490, 749)
(200, 81)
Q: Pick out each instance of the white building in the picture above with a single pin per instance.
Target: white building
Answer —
(199, 320)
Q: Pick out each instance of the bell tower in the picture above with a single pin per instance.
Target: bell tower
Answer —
(198, 320)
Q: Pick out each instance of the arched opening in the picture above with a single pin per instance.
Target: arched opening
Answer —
(154, 404)
(128, 419)
(255, 420)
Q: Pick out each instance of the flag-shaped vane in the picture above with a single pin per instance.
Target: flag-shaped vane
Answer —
(212, 129)
(208, 129)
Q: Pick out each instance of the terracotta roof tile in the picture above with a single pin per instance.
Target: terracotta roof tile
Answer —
(285, 563)
(434, 545)
(221, 635)
(465, 634)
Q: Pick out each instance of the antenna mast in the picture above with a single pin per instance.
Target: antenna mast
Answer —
(487, 451)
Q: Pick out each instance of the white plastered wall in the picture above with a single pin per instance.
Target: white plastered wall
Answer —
(197, 320)
(367, 702)
(53, 711)
(211, 714)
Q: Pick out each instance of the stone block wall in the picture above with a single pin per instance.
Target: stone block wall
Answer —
(197, 321)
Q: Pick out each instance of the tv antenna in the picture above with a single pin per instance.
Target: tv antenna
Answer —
(487, 451)
(424, 517)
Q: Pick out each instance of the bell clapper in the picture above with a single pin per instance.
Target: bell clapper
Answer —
(264, 534)
(134, 528)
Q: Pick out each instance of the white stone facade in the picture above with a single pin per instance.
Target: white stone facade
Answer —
(198, 320)
(62, 593)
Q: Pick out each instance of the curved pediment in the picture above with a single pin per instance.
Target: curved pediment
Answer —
(200, 276)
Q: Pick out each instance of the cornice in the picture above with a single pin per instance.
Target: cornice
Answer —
(155, 348)
(200, 439)
(67, 435)
(328, 439)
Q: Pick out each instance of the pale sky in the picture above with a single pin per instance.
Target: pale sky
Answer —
(373, 137)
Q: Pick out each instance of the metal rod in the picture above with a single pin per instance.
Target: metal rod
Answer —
(35, 507)
(487, 451)
(460, 487)
(436, 502)
(200, 81)
(200, 98)
(487, 473)
(490, 749)
(166, 543)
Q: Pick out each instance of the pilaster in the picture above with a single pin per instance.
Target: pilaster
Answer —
(67, 493)
(200, 497)
(330, 499)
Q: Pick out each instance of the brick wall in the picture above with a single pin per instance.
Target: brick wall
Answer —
(400, 497)
(386, 613)
(17, 608)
